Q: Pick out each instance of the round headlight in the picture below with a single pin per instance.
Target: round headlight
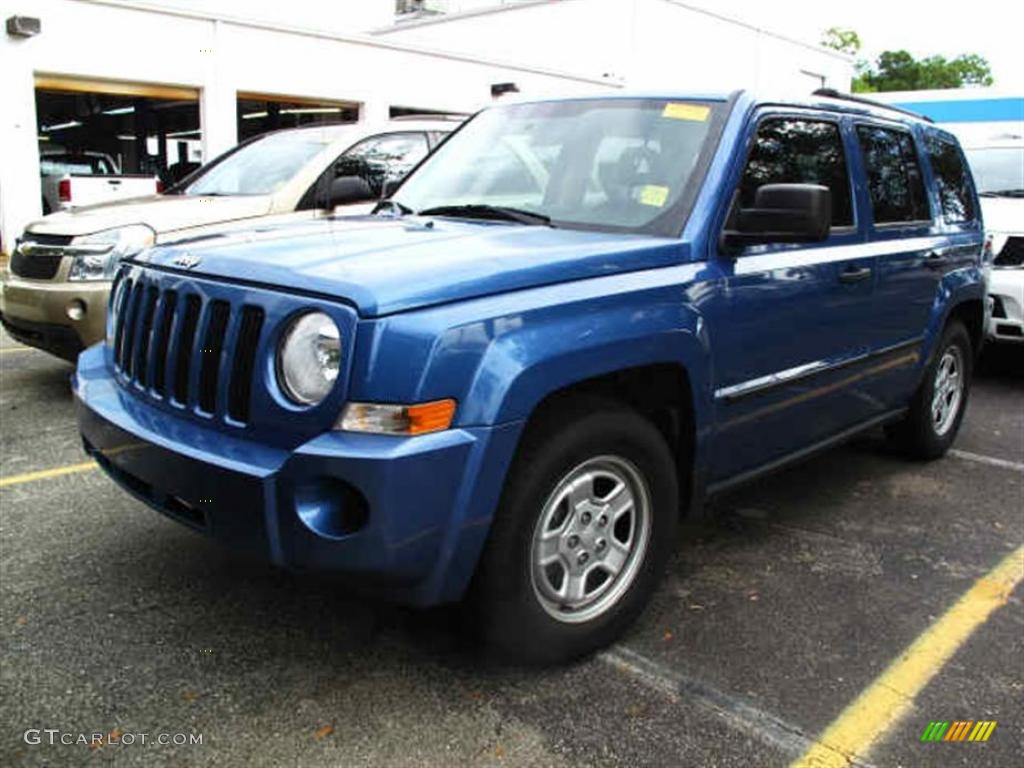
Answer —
(309, 358)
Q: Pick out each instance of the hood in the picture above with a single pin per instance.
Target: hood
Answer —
(386, 265)
(162, 213)
(1003, 214)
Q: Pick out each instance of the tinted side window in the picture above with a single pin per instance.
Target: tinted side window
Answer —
(952, 179)
(791, 151)
(894, 177)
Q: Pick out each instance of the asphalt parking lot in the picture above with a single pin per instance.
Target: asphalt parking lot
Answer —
(771, 622)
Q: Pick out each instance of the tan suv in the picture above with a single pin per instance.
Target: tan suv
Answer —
(54, 293)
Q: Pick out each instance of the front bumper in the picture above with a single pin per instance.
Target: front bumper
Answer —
(1006, 295)
(35, 312)
(408, 516)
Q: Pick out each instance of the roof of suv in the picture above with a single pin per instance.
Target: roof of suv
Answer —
(824, 99)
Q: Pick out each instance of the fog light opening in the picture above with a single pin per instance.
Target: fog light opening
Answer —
(330, 508)
(76, 309)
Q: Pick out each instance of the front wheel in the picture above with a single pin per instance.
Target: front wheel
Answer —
(584, 529)
(938, 406)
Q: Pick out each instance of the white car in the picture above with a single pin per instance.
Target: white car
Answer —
(999, 175)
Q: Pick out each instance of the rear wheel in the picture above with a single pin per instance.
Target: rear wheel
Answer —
(938, 406)
(584, 529)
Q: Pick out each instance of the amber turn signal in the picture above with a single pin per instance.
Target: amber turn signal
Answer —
(389, 419)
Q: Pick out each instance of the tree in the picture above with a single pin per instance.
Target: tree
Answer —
(900, 71)
(847, 41)
(840, 39)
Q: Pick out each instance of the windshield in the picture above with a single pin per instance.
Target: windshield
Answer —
(260, 167)
(997, 169)
(606, 164)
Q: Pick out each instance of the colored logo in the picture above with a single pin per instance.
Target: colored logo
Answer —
(958, 730)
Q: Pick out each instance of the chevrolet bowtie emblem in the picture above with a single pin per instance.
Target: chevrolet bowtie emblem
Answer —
(186, 261)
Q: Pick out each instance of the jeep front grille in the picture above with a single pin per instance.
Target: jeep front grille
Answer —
(168, 341)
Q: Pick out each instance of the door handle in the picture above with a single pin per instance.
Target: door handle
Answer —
(935, 260)
(854, 274)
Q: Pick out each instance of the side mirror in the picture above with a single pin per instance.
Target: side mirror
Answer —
(390, 185)
(345, 190)
(783, 213)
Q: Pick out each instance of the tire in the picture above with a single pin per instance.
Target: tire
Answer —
(929, 429)
(513, 598)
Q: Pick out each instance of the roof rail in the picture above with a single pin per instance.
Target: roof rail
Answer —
(832, 93)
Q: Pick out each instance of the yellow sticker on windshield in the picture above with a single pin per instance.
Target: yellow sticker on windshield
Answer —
(679, 111)
(652, 194)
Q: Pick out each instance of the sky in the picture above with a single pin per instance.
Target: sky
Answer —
(991, 28)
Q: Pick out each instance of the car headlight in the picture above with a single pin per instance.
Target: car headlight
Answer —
(97, 256)
(309, 358)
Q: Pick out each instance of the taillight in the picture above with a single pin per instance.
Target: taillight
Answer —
(159, 187)
(64, 190)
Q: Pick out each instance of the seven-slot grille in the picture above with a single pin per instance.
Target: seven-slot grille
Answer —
(174, 345)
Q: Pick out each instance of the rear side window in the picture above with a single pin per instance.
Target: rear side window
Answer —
(792, 151)
(952, 179)
(894, 176)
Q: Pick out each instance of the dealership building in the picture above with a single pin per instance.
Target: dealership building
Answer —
(163, 85)
(980, 117)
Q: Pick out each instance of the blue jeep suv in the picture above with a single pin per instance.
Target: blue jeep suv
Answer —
(576, 321)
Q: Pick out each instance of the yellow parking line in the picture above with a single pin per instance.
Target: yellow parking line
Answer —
(46, 474)
(889, 697)
(8, 350)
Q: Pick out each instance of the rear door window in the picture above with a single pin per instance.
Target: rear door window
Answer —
(82, 165)
(956, 195)
(797, 151)
(894, 175)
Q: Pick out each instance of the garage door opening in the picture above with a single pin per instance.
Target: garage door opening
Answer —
(126, 133)
(259, 113)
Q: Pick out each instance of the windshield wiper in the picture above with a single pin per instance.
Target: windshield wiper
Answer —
(1003, 193)
(481, 211)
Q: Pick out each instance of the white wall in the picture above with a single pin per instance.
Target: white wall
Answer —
(134, 42)
(583, 36)
(350, 16)
(646, 44)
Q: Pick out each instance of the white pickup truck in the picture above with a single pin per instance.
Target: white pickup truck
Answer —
(74, 179)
